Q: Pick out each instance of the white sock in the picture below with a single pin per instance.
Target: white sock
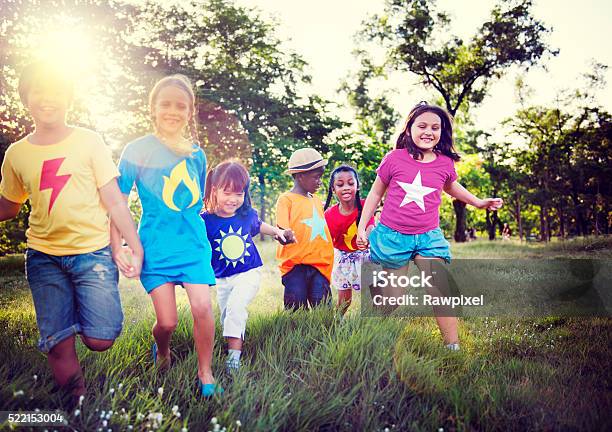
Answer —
(234, 355)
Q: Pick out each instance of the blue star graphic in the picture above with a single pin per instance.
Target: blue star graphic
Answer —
(316, 224)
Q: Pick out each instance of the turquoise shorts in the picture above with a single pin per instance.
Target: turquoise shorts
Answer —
(392, 249)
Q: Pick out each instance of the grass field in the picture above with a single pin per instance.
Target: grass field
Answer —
(313, 371)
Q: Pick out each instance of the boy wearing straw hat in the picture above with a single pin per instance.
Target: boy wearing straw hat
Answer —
(305, 265)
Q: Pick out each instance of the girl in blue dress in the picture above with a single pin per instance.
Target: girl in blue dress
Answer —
(169, 171)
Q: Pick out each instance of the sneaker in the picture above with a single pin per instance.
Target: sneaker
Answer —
(453, 346)
(232, 366)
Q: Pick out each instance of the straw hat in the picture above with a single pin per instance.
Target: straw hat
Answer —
(305, 159)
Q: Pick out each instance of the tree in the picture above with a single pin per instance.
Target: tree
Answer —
(566, 160)
(241, 67)
(461, 72)
(247, 83)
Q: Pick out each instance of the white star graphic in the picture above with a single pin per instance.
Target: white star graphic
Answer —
(415, 192)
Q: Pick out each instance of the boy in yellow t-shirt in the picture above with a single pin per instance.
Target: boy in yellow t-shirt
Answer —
(69, 177)
(306, 265)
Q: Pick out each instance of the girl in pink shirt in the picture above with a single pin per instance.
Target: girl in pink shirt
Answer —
(414, 176)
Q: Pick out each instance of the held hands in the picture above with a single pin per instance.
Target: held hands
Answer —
(128, 262)
(490, 203)
(362, 239)
(284, 236)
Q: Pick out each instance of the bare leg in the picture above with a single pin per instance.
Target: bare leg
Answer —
(203, 328)
(447, 324)
(393, 290)
(97, 344)
(344, 300)
(234, 343)
(164, 302)
(65, 366)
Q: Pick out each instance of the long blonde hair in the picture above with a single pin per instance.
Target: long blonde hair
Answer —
(184, 147)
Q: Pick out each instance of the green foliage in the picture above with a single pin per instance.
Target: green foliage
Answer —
(416, 39)
(411, 32)
(12, 232)
(566, 164)
(313, 371)
(246, 81)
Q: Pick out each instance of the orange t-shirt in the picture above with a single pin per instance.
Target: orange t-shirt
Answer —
(304, 215)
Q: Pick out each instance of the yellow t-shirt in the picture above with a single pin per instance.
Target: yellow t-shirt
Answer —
(304, 215)
(61, 180)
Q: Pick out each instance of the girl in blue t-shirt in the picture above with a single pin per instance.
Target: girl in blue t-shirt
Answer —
(168, 169)
(231, 224)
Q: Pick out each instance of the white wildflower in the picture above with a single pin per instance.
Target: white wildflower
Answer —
(18, 393)
(160, 391)
(77, 412)
(111, 391)
(213, 420)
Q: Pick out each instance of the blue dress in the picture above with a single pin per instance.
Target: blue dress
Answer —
(173, 235)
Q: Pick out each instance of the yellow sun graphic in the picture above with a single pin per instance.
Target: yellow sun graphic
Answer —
(233, 246)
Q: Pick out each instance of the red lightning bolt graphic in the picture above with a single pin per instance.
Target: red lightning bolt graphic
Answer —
(50, 180)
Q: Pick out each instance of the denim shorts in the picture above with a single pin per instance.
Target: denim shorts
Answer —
(305, 286)
(74, 294)
(392, 249)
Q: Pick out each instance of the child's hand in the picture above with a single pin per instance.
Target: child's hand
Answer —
(362, 239)
(137, 259)
(491, 203)
(284, 236)
(128, 263)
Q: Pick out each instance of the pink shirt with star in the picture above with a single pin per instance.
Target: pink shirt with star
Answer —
(414, 191)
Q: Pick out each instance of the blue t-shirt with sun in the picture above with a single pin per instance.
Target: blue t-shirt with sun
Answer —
(231, 239)
(173, 235)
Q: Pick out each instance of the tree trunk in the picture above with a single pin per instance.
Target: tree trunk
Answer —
(595, 217)
(605, 216)
(543, 234)
(519, 221)
(492, 223)
(580, 224)
(561, 215)
(460, 226)
(262, 202)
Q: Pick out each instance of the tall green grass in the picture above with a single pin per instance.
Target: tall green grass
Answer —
(316, 371)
